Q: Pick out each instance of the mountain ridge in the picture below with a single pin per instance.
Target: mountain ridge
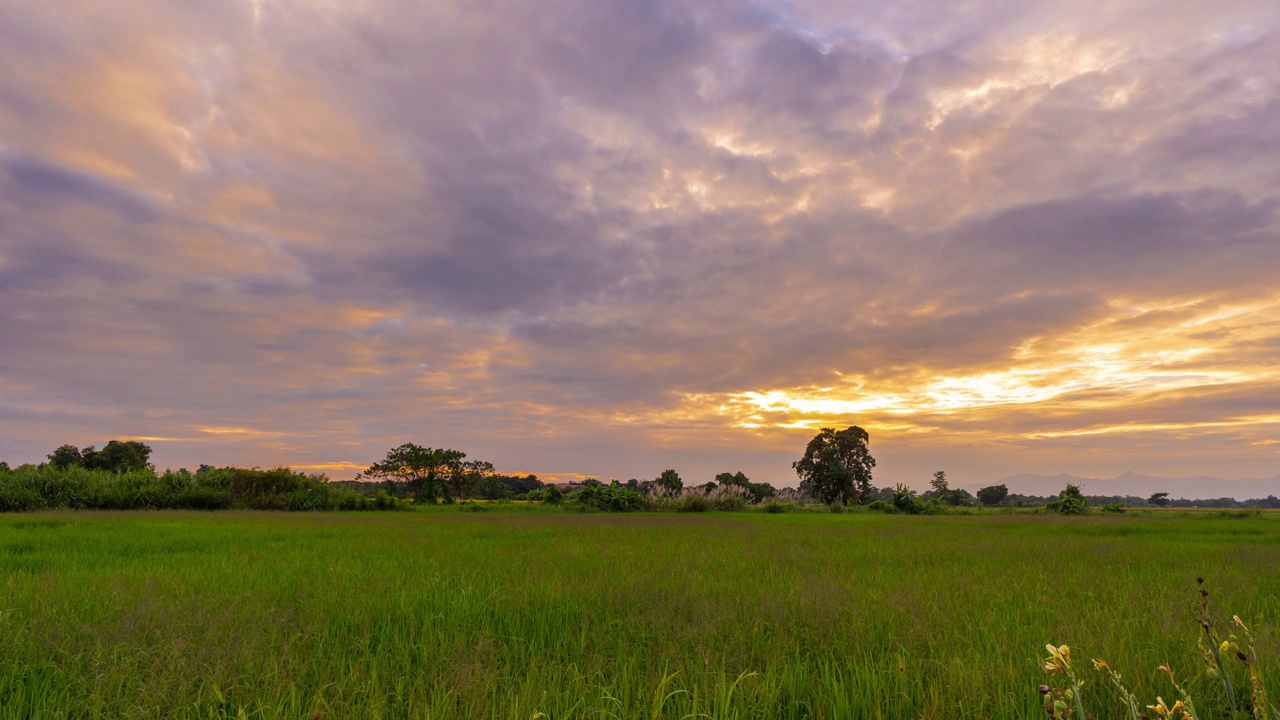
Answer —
(1198, 487)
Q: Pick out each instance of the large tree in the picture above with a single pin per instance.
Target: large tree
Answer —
(424, 471)
(116, 456)
(837, 465)
(65, 456)
(993, 494)
(473, 476)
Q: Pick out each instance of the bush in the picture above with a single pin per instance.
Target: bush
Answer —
(1113, 508)
(609, 498)
(1070, 502)
(934, 507)
(693, 503)
(15, 498)
(75, 487)
(906, 500)
(777, 506)
(881, 506)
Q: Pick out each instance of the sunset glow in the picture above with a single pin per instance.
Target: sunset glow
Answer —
(578, 241)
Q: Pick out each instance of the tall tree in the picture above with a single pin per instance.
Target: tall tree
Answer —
(1160, 499)
(838, 465)
(424, 471)
(939, 483)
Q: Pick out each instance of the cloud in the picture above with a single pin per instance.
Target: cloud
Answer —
(596, 237)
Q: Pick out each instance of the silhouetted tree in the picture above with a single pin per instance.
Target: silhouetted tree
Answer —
(670, 479)
(1160, 499)
(116, 456)
(837, 465)
(759, 491)
(993, 494)
(65, 456)
(424, 471)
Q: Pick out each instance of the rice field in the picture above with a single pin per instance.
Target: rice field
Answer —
(545, 614)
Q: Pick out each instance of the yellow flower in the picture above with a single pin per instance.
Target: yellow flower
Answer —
(1059, 659)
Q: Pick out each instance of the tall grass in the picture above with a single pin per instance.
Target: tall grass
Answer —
(75, 488)
(443, 614)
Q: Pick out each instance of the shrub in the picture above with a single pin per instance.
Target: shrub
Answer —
(693, 503)
(935, 506)
(1070, 502)
(777, 506)
(549, 494)
(906, 500)
(75, 487)
(609, 498)
(1113, 508)
(881, 506)
(16, 498)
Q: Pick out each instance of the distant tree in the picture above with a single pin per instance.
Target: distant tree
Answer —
(465, 480)
(65, 456)
(1160, 499)
(4, 467)
(759, 491)
(805, 488)
(943, 493)
(670, 479)
(837, 465)
(521, 485)
(993, 494)
(493, 487)
(117, 456)
(1070, 502)
(424, 471)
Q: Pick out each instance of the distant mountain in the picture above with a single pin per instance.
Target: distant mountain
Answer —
(1131, 483)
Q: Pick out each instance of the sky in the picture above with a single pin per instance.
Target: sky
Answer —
(585, 238)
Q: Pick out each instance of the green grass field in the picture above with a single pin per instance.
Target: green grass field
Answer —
(525, 614)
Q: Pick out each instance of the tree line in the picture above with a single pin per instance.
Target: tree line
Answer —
(835, 470)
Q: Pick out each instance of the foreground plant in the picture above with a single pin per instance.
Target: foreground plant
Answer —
(1061, 702)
